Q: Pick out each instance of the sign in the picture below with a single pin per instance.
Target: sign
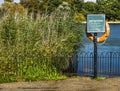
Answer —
(95, 23)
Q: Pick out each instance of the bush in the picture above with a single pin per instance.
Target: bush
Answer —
(26, 43)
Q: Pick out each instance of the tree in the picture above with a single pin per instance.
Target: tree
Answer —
(89, 8)
(8, 0)
(41, 5)
(76, 5)
(10, 9)
(106, 7)
(30, 4)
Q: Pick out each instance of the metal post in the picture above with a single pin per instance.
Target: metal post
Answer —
(95, 55)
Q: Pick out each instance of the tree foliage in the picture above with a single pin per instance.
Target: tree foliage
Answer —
(8, 0)
(10, 9)
(42, 6)
(109, 7)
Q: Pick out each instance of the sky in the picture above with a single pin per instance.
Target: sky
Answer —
(90, 0)
(1, 1)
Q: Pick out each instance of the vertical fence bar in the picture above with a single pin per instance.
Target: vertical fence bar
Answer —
(118, 65)
(100, 64)
(76, 63)
(110, 64)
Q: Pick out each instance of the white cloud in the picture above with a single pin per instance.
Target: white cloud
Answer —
(17, 1)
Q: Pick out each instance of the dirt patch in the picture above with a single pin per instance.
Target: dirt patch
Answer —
(70, 84)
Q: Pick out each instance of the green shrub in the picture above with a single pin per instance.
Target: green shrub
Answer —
(25, 44)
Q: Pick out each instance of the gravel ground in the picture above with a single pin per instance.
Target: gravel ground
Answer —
(70, 84)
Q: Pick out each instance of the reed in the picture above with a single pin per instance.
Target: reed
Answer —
(26, 43)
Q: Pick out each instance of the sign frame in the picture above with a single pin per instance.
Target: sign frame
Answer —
(96, 23)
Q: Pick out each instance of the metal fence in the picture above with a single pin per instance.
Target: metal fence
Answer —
(108, 64)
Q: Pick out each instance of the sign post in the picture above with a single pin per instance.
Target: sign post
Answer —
(95, 55)
(95, 24)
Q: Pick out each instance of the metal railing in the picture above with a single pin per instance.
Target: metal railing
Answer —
(108, 64)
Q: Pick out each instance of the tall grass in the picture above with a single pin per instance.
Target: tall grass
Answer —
(37, 43)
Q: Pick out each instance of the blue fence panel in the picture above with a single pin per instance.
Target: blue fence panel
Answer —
(108, 64)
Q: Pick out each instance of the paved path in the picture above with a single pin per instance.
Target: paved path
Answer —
(70, 84)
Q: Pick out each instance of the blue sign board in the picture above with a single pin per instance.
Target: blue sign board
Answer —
(95, 23)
